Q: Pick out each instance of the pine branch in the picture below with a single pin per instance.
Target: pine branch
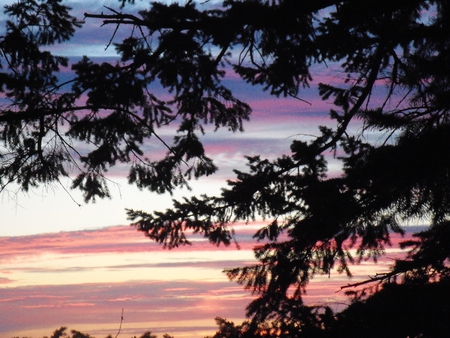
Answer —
(379, 277)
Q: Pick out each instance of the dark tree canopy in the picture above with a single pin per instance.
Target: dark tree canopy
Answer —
(106, 113)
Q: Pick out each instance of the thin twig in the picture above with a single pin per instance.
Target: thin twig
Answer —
(120, 327)
(300, 99)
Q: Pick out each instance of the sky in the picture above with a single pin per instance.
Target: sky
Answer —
(62, 264)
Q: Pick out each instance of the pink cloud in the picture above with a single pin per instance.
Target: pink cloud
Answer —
(5, 280)
(94, 307)
(144, 303)
(115, 239)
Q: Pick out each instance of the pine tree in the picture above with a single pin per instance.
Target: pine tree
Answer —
(314, 221)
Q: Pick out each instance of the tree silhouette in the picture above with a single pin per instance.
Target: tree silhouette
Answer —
(105, 113)
(315, 223)
(61, 332)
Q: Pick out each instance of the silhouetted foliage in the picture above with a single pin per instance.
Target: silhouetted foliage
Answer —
(104, 115)
(61, 332)
(408, 310)
(316, 223)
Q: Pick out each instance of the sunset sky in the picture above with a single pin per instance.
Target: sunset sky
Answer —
(66, 265)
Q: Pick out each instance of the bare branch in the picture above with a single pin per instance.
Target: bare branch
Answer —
(120, 327)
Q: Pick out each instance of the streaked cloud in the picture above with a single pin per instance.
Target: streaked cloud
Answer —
(83, 279)
(115, 239)
(146, 306)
